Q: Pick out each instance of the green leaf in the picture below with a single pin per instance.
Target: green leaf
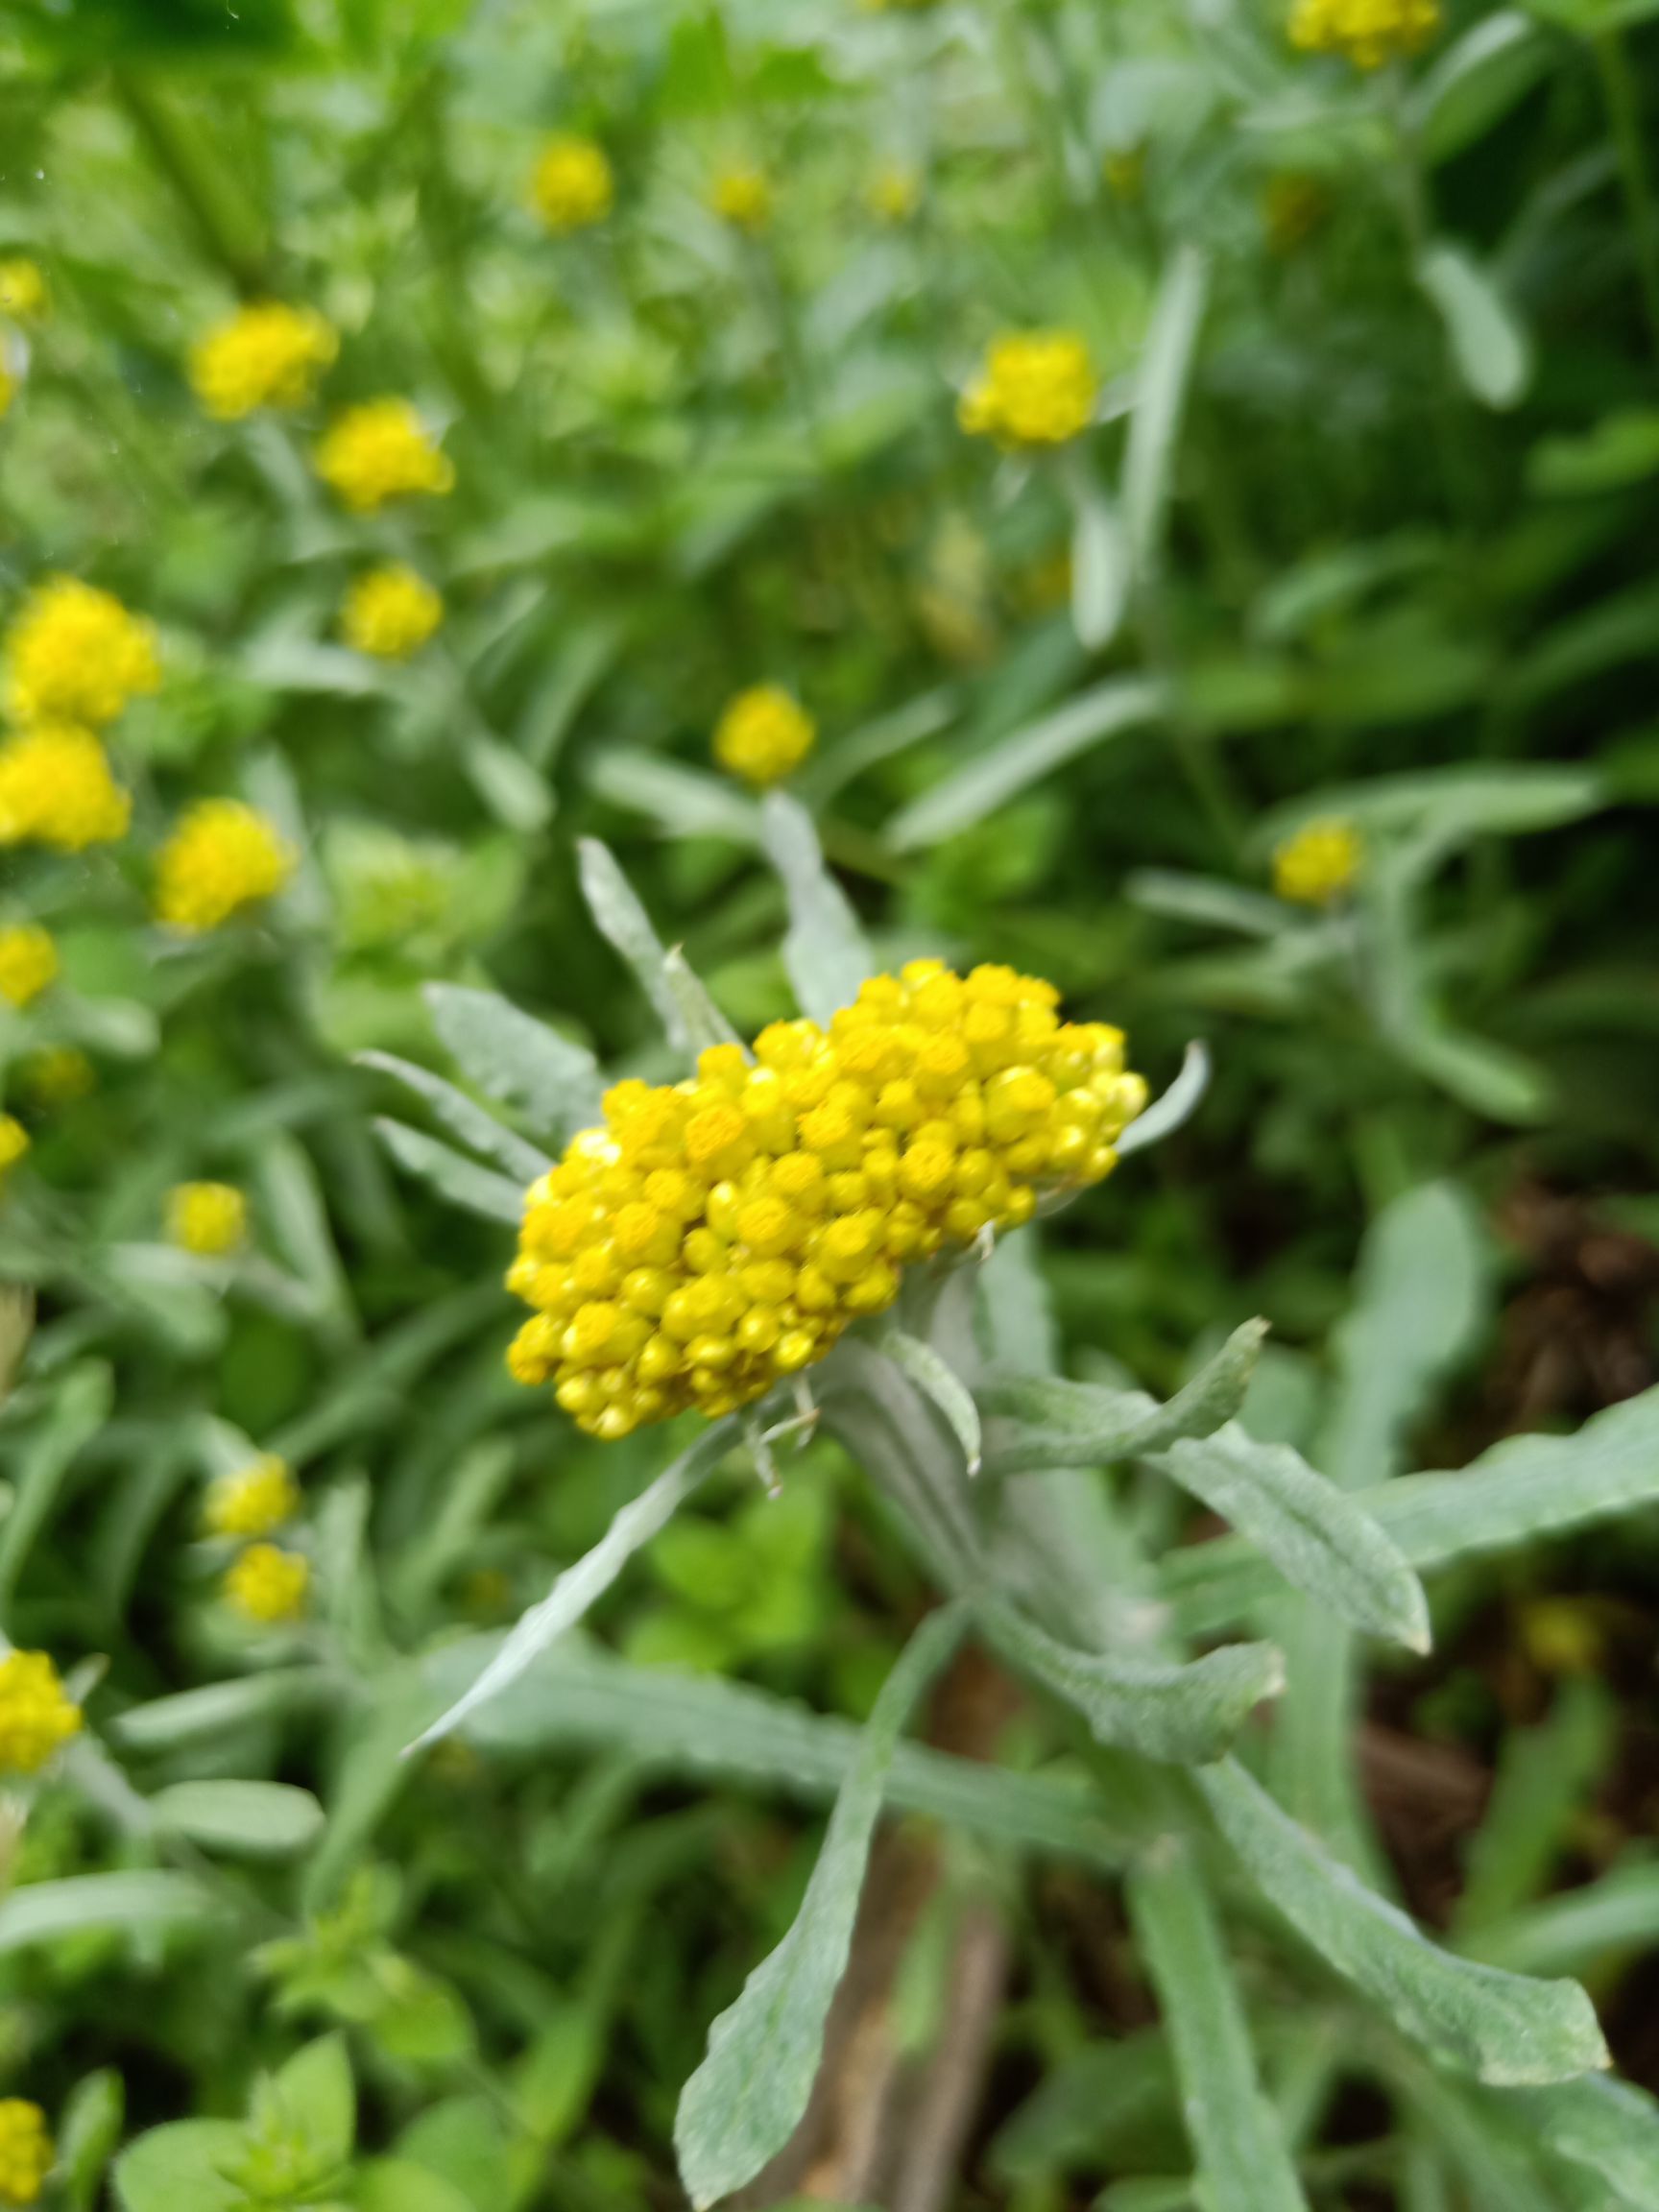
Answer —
(1547, 1776)
(1621, 450)
(1316, 1537)
(939, 1382)
(825, 949)
(219, 1708)
(1475, 82)
(1206, 900)
(399, 2185)
(1488, 344)
(682, 1006)
(257, 1820)
(1159, 398)
(516, 1060)
(182, 2167)
(140, 1899)
(509, 785)
(1607, 2128)
(79, 1410)
(470, 1124)
(319, 2101)
(750, 2093)
(87, 2135)
(1501, 2028)
(1243, 2163)
(453, 1176)
(1100, 563)
(1173, 1108)
(683, 801)
(1580, 1930)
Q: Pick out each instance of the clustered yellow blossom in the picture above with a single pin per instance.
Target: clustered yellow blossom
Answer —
(26, 2151)
(13, 1142)
(253, 1500)
(37, 1716)
(381, 450)
(267, 1584)
(74, 654)
(28, 962)
(55, 1076)
(894, 193)
(22, 290)
(1037, 388)
(764, 734)
(742, 195)
(1319, 863)
(207, 1218)
(267, 356)
(571, 185)
(391, 612)
(714, 1236)
(1369, 32)
(223, 856)
(56, 786)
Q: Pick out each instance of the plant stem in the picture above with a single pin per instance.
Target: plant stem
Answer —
(228, 226)
(1620, 92)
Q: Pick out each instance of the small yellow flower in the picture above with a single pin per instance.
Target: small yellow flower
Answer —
(571, 185)
(13, 1142)
(37, 1716)
(391, 612)
(894, 193)
(28, 962)
(268, 355)
(381, 450)
(741, 194)
(1319, 864)
(1369, 32)
(56, 787)
(764, 734)
(267, 1584)
(207, 1218)
(22, 290)
(74, 654)
(221, 856)
(254, 1501)
(55, 1076)
(1037, 388)
(26, 2151)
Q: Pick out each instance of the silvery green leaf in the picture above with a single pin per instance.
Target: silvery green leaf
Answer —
(1206, 900)
(750, 2093)
(453, 1176)
(825, 949)
(1100, 568)
(1501, 2028)
(513, 791)
(938, 1380)
(683, 801)
(1577, 1931)
(257, 1820)
(700, 1020)
(1488, 344)
(1475, 82)
(1159, 398)
(520, 1062)
(619, 917)
(1175, 1106)
(137, 1899)
(219, 1708)
(80, 1406)
(469, 1123)
(1608, 2129)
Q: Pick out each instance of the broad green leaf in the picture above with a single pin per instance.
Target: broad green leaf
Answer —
(470, 1124)
(1316, 1537)
(1173, 1108)
(518, 1061)
(750, 2093)
(399, 2185)
(823, 948)
(1160, 400)
(452, 1174)
(1243, 2162)
(1487, 342)
(319, 2101)
(257, 1819)
(1475, 82)
(1501, 2028)
(183, 2166)
(939, 1382)
(682, 1006)
(80, 1408)
(138, 1900)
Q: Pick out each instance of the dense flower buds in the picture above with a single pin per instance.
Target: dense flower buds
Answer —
(381, 450)
(207, 1218)
(764, 734)
(1037, 388)
(267, 1584)
(253, 1500)
(1369, 32)
(56, 786)
(267, 356)
(74, 654)
(390, 612)
(37, 1716)
(571, 186)
(223, 856)
(719, 1235)
(26, 2151)
(1319, 864)
(28, 962)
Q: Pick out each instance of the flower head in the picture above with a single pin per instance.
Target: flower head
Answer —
(28, 962)
(268, 355)
(893, 192)
(207, 1218)
(1369, 32)
(381, 450)
(390, 612)
(267, 1584)
(718, 1235)
(13, 1142)
(26, 2151)
(74, 654)
(37, 1716)
(1319, 863)
(571, 185)
(56, 787)
(764, 734)
(741, 194)
(221, 856)
(1037, 388)
(253, 1500)
(22, 290)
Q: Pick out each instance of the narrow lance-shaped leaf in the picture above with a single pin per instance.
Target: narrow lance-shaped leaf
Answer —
(939, 1381)
(1176, 1106)
(470, 1124)
(516, 1059)
(749, 2095)
(1487, 343)
(682, 1006)
(452, 1174)
(1607, 2128)
(824, 950)
(80, 1408)
(1160, 397)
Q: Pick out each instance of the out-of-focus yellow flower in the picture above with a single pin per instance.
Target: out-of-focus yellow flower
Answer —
(253, 1501)
(55, 1076)
(22, 290)
(13, 1143)
(1294, 208)
(571, 185)
(741, 194)
(381, 450)
(268, 355)
(1369, 32)
(1319, 864)
(26, 2151)
(56, 787)
(391, 612)
(74, 654)
(894, 193)
(1037, 388)
(1564, 1635)
(207, 1218)
(223, 856)
(267, 1584)
(1123, 172)
(764, 734)
(8, 390)
(28, 962)
(37, 1716)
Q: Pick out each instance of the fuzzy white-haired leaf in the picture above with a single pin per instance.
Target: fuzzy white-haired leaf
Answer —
(516, 1060)
(682, 1005)
(464, 1120)
(452, 1174)
(1174, 1106)
(825, 948)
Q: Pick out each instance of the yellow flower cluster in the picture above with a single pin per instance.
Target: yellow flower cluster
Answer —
(223, 856)
(26, 2151)
(22, 290)
(762, 734)
(1318, 864)
(267, 1584)
(1037, 388)
(37, 1716)
(381, 450)
(56, 785)
(253, 1500)
(391, 612)
(28, 962)
(894, 193)
(742, 195)
(571, 185)
(268, 355)
(13, 1142)
(717, 1236)
(206, 1218)
(1369, 32)
(74, 654)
